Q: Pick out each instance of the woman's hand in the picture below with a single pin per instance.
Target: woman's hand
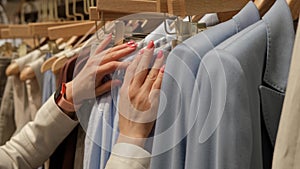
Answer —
(89, 82)
(139, 97)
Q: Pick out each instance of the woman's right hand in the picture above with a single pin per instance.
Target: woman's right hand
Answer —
(139, 97)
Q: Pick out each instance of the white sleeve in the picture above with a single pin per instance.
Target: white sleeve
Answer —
(38, 139)
(128, 156)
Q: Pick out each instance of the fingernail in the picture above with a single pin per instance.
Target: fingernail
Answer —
(141, 51)
(130, 42)
(133, 45)
(162, 69)
(160, 54)
(150, 44)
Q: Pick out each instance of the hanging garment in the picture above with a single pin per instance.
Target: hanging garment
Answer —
(7, 121)
(169, 147)
(4, 62)
(34, 86)
(286, 153)
(104, 117)
(69, 154)
(49, 82)
(21, 105)
(226, 114)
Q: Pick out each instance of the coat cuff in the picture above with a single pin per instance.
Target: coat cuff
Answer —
(133, 153)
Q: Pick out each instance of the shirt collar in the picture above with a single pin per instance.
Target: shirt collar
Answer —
(280, 42)
(243, 20)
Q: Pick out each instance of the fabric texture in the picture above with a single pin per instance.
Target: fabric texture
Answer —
(226, 114)
(36, 141)
(169, 147)
(4, 62)
(34, 86)
(286, 153)
(102, 129)
(21, 104)
(128, 156)
(7, 121)
(49, 82)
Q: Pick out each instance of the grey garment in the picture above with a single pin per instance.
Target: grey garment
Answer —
(4, 62)
(78, 161)
(226, 111)
(7, 121)
(49, 82)
(177, 85)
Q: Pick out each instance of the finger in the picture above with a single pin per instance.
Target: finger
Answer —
(151, 77)
(142, 69)
(103, 44)
(118, 54)
(157, 84)
(107, 87)
(131, 68)
(111, 67)
(118, 47)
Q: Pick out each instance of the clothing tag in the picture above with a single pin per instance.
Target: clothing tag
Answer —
(185, 30)
(22, 50)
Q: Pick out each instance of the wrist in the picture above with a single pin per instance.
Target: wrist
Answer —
(69, 92)
(131, 140)
(62, 102)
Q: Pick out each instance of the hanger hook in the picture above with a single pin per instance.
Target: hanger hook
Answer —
(165, 26)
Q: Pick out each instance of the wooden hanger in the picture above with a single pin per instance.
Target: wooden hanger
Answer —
(69, 16)
(263, 5)
(75, 13)
(47, 65)
(127, 6)
(41, 29)
(77, 29)
(61, 61)
(20, 31)
(27, 73)
(295, 8)
(201, 7)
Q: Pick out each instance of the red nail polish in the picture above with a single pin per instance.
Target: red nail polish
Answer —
(162, 69)
(130, 42)
(133, 45)
(160, 54)
(150, 44)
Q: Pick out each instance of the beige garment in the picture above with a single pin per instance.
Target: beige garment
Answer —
(34, 86)
(7, 121)
(128, 156)
(287, 147)
(21, 104)
(38, 139)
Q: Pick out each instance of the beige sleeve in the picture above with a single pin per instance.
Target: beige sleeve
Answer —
(38, 139)
(128, 156)
(287, 146)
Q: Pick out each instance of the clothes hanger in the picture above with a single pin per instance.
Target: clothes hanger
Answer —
(61, 61)
(47, 65)
(28, 72)
(263, 5)
(75, 13)
(295, 8)
(77, 29)
(69, 16)
(86, 7)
